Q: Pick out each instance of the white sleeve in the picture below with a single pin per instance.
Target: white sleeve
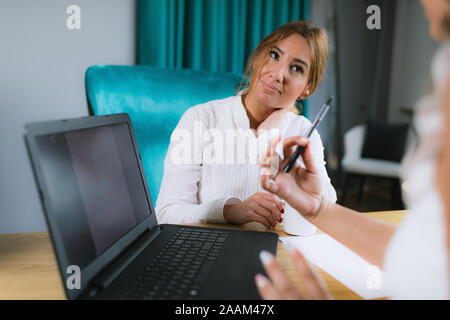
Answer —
(178, 196)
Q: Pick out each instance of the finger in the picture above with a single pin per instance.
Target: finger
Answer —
(269, 165)
(273, 198)
(269, 184)
(308, 159)
(264, 160)
(272, 207)
(290, 146)
(257, 218)
(273, 145)
(313, 283)
(279, 278)
(265, 212)
(265, 288)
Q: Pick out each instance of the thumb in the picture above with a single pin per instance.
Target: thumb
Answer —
(269, 184)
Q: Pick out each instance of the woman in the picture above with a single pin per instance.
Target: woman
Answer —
(211, 180)
(413, 255)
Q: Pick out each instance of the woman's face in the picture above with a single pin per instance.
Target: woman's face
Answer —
(436, 10)
(284, 73)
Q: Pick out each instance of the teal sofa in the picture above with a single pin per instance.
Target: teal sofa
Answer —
(155, 99)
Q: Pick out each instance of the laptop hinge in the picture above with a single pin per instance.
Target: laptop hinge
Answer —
(106, 278)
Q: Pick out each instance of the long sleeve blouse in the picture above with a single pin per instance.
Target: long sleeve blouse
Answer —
(212, 161)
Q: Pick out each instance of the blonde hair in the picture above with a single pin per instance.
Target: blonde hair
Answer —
(318, 46)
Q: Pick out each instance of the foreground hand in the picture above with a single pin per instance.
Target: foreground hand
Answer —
(300, 187)
(261, 207)
(281, 287)
(272, 121)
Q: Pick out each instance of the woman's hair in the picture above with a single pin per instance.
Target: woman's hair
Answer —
(318, 46)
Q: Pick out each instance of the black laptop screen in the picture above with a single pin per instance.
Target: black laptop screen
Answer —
(95, 187)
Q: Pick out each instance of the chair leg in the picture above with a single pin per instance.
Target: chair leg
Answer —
(347, 178)
(396, 194)
(361, 188)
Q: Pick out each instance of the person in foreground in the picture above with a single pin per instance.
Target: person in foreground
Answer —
(414, 255)
(215, 179)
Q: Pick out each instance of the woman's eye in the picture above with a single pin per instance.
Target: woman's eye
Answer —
(274, 54)
(297, 69)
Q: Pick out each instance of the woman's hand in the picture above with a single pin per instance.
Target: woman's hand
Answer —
(281, 287)
(300, 187)
(261, 207)
(272, 121)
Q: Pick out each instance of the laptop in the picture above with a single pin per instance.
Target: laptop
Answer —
(103, 226)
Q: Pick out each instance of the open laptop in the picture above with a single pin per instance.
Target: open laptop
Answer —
(103, 225)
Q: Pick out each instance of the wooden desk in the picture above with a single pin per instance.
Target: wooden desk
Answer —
(28, 268)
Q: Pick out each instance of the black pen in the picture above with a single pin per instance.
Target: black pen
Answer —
(323, 111)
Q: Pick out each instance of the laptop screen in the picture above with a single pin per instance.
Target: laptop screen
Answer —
(95, 187)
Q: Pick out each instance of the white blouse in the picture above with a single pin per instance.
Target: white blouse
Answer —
(212, 160)
(415, 263)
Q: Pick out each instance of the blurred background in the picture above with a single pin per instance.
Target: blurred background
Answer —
(375, 75)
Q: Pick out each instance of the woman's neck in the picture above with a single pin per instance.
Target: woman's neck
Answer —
(256, 112)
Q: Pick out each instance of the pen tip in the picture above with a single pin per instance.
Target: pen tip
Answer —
(329, 100)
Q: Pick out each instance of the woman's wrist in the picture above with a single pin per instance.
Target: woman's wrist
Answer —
(313, 216)
(226, 209)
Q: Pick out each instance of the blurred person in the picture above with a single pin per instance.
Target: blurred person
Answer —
(413, 255)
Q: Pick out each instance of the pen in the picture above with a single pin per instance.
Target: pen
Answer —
(323, 111)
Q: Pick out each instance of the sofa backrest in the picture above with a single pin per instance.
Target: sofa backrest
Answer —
(155, 99)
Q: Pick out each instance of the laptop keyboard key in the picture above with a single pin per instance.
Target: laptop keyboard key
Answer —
(204, 271)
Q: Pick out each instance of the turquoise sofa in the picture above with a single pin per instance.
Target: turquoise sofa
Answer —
(155, 99)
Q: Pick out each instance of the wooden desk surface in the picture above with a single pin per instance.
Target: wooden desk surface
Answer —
(28, 268)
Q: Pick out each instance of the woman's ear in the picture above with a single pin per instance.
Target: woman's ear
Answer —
(305, 93)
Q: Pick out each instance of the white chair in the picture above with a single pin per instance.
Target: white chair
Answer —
(356, 167)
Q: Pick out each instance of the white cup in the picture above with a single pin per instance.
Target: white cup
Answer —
(295, 224)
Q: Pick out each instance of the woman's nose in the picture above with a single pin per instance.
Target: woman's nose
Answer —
(277, 73)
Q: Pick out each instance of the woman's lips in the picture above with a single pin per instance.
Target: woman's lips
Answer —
(270, 88)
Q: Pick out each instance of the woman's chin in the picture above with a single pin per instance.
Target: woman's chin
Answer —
(269, 101)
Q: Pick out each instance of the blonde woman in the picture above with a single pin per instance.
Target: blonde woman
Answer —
(208, 176)
(414, 255)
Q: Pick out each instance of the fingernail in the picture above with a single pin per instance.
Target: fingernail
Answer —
(265, 257)
(289, 247)
(304, 140)
(282, 210)
(260, 280)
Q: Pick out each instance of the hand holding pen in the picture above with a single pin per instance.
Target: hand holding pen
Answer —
(300, 149)
(299, 186)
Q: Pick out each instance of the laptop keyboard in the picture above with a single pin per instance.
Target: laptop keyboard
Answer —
(179, 271)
